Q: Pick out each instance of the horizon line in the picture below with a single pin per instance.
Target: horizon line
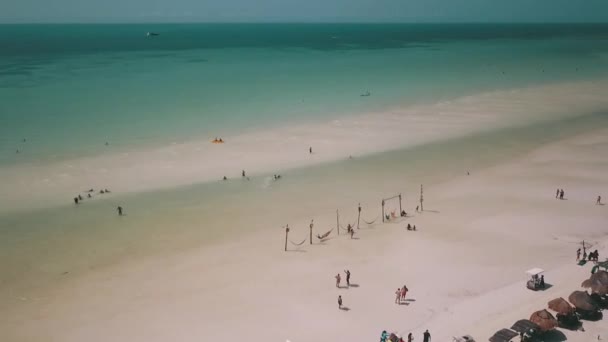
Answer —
(303, 22)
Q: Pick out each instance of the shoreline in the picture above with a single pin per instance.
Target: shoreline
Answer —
(481, 232)
(285, 148)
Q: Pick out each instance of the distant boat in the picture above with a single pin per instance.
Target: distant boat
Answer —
(367, 93)
(152, 34)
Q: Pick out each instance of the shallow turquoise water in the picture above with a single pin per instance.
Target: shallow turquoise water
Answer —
(68, 89)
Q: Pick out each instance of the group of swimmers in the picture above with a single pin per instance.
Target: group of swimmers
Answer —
(79, 198)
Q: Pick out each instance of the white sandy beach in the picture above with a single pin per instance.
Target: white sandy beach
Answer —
(464, 266)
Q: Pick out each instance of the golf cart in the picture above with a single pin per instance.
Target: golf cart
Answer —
(536, 281)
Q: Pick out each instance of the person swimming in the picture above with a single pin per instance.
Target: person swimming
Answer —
(225, 178)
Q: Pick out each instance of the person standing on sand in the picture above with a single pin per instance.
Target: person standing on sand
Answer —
(578, 254)
(310, 150)
(557, 194)
(404, 292)
(398, 296)
(347, 277)
(426, 336)
(338, 280)
(561, 194)
(599, 200)
(339, 302)
(410, 337)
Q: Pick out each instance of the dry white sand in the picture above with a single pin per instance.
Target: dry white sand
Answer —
(464, 268)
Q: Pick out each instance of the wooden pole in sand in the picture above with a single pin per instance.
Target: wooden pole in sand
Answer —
(359, 216)
(383, 211)
(400, 209)
(311, 225)
(338, 221)
(421, 198)
(286, 234)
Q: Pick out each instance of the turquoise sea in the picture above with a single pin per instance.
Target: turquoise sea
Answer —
(68, 89)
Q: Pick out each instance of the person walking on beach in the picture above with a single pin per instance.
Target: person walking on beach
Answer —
(578, 254)
(119, 210)
(561, 194)
(338, 280)
(339, 302)
(398, 296)
(557, 194)
(410, 337)
(310, 150)
(599, 200)
(426, 336)
(347, 277)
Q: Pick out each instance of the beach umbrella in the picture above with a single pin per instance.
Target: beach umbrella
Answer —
(597, 279)
(503, 335)
(561, 306)
(544, 319)
(525, 325)
(582, 301)
(596, 286)
(601, 276)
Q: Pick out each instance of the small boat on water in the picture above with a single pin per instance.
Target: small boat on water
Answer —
(152, 34)
(367, 93)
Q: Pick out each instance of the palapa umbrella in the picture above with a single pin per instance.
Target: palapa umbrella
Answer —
(503, 335)
(582, 301)
(524, 325)
(544, 319)
(561, 306)
(602, 276)
(596, 286)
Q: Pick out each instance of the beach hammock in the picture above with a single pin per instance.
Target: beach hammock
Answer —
(324, 236)
(298, 244)
(372, 222)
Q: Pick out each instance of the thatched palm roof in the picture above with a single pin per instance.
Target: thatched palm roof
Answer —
(524, 325)
(561, 306)
(503, 335)
(582, 301)
(544, 319)
(596, 286)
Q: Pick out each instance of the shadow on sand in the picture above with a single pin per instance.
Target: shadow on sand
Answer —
(344, 308)
(554, 336)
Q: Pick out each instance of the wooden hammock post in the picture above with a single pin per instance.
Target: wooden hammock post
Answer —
(421, 198)
(311, 225)
(286, 235)
(359, 216)
(338, 221)
(584, 249)
(382, 210)
(400, 209)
